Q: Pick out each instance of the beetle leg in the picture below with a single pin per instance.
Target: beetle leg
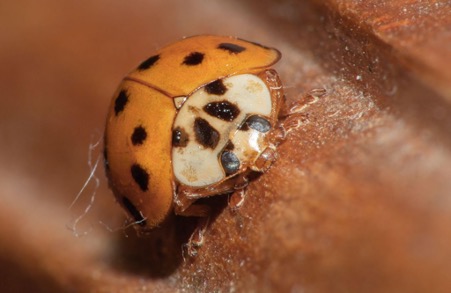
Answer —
(310, 98)
(293, 118)
(197, 238)
(184, 206)
(237, 198)
(290, 123)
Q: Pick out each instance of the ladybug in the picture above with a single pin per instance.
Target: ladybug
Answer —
(192, 121)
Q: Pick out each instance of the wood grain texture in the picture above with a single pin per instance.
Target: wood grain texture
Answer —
(359, 200)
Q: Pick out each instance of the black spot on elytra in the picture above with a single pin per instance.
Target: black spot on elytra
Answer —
(149, 62)
(206, 135)
(179, 137)
(216, 87)
(230, 162)
(140, 176)
(194, 58)
(139, 135)
(223, 110)
(232, 48)
(258, 123)
(120, 102)
(133, 211)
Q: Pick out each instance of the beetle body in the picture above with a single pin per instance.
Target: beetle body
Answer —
(193, 120)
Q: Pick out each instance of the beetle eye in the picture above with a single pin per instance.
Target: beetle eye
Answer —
(258, 123)
(230, 162)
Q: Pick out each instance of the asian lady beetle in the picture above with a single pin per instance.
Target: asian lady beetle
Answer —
(192, 121)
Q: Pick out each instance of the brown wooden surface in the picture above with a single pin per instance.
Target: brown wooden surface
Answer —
(359, 201)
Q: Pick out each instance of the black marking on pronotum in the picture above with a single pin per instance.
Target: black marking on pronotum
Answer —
(229, 146)
(244, 127)
(139, 135)
(134, 212)
(230, 162)
(258, 123)
(179, 137)
(120, 102)
(149, 62)
(194, 58)
(140, 176)
(216, 87)
(223, 110)
(232, 48)
(206, 135)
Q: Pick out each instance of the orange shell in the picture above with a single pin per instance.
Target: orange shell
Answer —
(150, 90)
(170, 75)
(155, 113)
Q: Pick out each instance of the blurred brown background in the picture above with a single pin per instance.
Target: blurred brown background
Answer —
(359, 201)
